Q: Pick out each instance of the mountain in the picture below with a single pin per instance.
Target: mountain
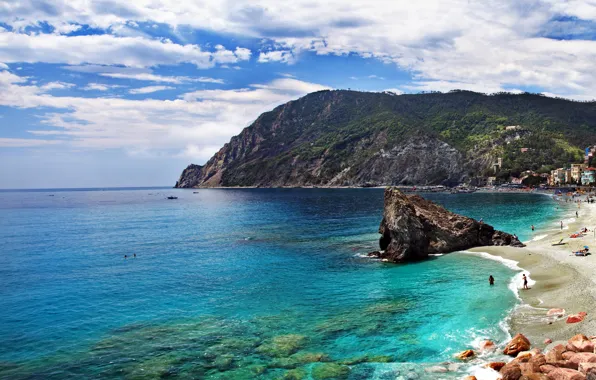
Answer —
(351, 138)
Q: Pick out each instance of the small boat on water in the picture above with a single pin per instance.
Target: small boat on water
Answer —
(172, 197)
(195, 192)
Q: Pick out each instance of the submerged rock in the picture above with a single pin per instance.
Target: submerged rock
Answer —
(413, 227)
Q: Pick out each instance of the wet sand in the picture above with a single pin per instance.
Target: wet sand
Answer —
(562, 280)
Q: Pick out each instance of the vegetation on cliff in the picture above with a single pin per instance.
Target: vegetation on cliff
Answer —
(342, 138)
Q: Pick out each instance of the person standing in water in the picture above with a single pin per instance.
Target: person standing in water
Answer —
(525, 281)
(576, 215)
(532, 228)
(491, 280)
(561, 224)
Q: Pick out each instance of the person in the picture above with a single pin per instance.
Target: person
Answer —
(481, 220)
(515, 237)
(126, 257)
(525, 281)
(576, 215)
(561, 224)
(491, 280)
(134, 255)
(532, 227)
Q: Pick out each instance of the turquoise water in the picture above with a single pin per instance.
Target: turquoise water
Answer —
(236, 284)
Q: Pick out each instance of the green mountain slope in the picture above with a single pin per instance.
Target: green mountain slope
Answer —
(350, 138)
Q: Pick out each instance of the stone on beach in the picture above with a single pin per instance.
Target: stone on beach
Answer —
(565, 374)
(511, 371)
(496, 366)
(579, 357)
(575, 318)
(413, 227)
(557, 312)
(580, 343)
(548, 341)
(465, 355)
(518, 344)
(488, 345)
(587, 367)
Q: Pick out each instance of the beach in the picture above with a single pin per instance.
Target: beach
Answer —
(558, 279)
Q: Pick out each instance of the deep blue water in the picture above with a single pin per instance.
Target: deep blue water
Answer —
(236, 283)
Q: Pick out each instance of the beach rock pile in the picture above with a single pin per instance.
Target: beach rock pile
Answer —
(575, 360)
(413, 227)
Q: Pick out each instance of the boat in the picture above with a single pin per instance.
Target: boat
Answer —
(172, 197)
(195, 192)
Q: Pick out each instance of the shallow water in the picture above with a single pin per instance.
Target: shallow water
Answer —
(237, 284)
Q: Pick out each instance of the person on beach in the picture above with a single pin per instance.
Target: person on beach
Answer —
(576, 215)
(491, 280)
(561, 224)
(525, 281)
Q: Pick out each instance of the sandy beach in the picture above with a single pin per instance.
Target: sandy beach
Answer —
(558, 279)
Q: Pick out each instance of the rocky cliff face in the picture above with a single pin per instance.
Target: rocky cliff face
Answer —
(413, 227)
(349, 138)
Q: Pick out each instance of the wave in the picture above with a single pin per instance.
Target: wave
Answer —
(539, 237)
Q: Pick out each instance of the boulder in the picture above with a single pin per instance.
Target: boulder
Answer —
(591, 374)
(587, 367)
(465, 355)
(470, 378)
(518, 344)
(413, 227)
(575, 318)
(488, 345)
(579, 357)
(555, 354)
(536, 362)
(548, 341)
(565, 374)
(556, 312)
(535, 376)
(511, 371)
(580, 343)
(496, 365)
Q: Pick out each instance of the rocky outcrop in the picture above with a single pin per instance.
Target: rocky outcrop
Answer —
(413, 227)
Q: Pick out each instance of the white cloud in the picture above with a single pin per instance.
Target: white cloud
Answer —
(150, 89)
(283, 56)
(196, 124)
(6, 142)
(56, 86)
(161, 78)
(109, 50)
(100, 87)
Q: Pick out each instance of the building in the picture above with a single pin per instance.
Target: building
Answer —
(576, 172)
(491, 181)
(588, 176)
(559, 176)
(498, 165)
(512, 127)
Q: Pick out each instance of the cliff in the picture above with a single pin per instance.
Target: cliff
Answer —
(349, 138)
(413, 227)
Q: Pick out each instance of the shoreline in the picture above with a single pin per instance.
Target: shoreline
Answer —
(561, 280)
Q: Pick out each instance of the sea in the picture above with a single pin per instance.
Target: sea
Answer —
(242, 284)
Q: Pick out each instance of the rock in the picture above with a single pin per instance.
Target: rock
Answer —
(547, 368)
(548, 341)
(330, 371)
(488, 345)
(536, 362)
(523, 357)
(470, 378)
(565, 374)
(413, 227)
(555, 354)
(579, 357)
(575, 318)
(535, 376)
(511, 371)
(465, 355)
(496, 365)
(556, 312)
(586, 367)
(591, 375)
(518, 344)
(580, 343)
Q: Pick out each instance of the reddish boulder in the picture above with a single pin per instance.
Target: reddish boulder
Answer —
(580, 343)
(536, 362)
(535, 376)
(518, 344)
(575, 318)
(465, 355)
(523, 357)
(495, 365)
(556, 353)
(470, 378)
(579, 357)
(565, 374)
(548, 341)
(557, 312)
(547, 368)
(488, 345)
(587, 367)
(511, 371)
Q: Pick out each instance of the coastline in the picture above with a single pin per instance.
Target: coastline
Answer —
(558, 279)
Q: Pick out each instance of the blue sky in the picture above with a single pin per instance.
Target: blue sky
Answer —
(109, 93)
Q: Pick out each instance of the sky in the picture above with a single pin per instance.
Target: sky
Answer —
(98, 93)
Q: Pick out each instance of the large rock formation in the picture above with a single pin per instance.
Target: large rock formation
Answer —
(413, 227)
